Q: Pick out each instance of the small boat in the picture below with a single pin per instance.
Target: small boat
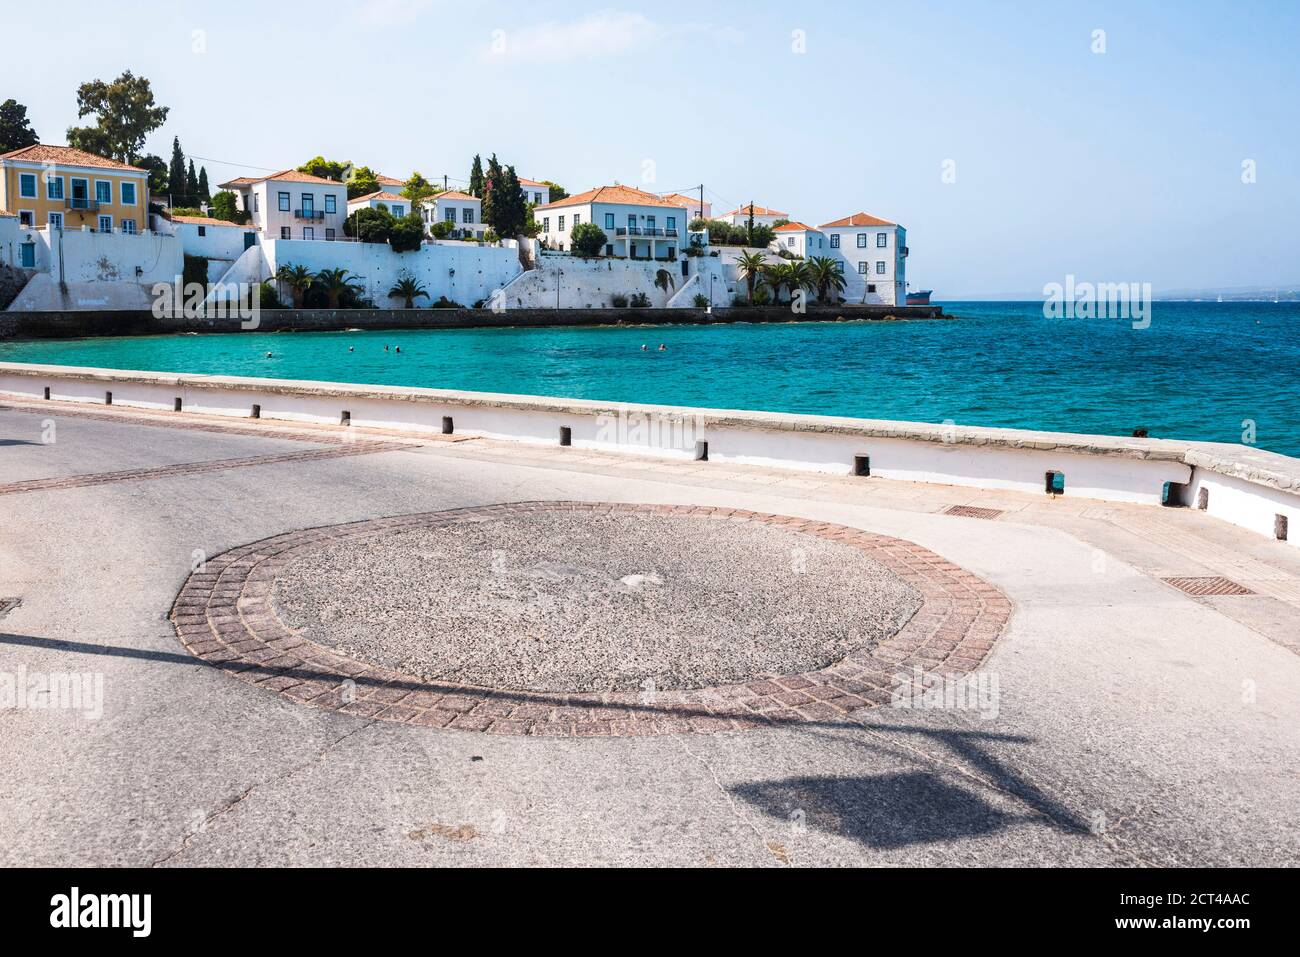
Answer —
(919, 298)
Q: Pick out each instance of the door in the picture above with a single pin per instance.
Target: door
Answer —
(250, 240)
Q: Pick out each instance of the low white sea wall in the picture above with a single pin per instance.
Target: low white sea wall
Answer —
(1247, 487)
(572, 282)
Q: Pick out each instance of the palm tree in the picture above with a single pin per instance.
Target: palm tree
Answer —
(298, 278)
(774, 278)
(827, 276)
(336, 282)
(751, 267)
(798, 276)
(409, 290)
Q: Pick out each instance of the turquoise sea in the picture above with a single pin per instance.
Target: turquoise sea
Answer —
(1201, 371)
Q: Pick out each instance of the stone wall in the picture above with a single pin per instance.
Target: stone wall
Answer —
(78, 323)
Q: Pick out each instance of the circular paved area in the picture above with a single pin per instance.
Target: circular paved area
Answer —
(472, 619)
(568, 601)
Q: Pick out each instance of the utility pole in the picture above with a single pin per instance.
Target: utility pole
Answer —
(701, 201)
(444, 182)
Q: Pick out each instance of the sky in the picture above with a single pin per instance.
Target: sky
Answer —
(1015, 142)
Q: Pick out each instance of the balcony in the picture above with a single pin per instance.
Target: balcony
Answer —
(645, 231)
(309, 214)
(81, 203)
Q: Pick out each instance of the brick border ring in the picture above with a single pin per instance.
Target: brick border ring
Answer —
(223, 617)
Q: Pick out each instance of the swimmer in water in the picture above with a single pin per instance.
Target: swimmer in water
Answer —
(350, 348)
(644, 347)
(268, 355)
(399, 348)
(662, 347)
(385, 348)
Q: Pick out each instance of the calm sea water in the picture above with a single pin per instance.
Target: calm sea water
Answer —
(1198, 372)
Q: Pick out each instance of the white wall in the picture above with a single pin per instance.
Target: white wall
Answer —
(464, 273)
(11, 237)
(109, 257)
(220, 242)
(890, 286)
(1095, 467)
(591, 283)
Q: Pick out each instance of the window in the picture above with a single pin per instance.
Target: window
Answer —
(27, 255)
(308, 232)
(329, 234)
(203, 230)
(672, 222)
(27, 185)
(284, 202)
(56, 220)
(577, 220)
(880, 268)
(609, 220)
(308, 204)
(106, 225)
(284, 232)
(609, 249)
(467, 215)
(650, 223)
(449, 214)
(546, 224)
(871, 287)
(331, 203)
(862, 240)
(26, 218)
(835, 240)
(399, 210)
(631, 220)
(882, 240)
(80, 193)
(128, 194)
(53, 187)
(862, 268)
(790, 241)
(561, 224)
(103, 192)
(257, 204)
(128, 227)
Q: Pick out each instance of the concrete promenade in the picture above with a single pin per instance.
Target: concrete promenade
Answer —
(1135, 722)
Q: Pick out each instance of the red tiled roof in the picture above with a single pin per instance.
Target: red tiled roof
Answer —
(5, 212)
(456, 194)
(381, 195)
(859, 219)
(758, 211)
(622, 195)
(65, 156)
(383, 180)
(678, 197)
(530, 182)
(203, 221)
(286, 175)
(795, 228)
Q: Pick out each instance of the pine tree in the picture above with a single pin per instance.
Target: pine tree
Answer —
(476, 178)
(205, 194)
(176, 173)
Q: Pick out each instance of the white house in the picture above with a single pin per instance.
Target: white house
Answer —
(801, 240)
(397, 205)
(637, 224)
(874, 252)
(463, 211)
(216, 240)
(539, 194)
(695, 209)
(762, 215)
(293, 205)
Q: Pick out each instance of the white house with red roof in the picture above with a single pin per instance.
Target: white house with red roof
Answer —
(763, 215)
(539, 194)
(800, 239)
(397, 205)
(293, 205)
(637, 224)
(463, 211)
(874, 252)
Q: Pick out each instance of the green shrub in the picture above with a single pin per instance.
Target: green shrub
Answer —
(588, 239)
(618, 301)
(701, 301)
(639, 300)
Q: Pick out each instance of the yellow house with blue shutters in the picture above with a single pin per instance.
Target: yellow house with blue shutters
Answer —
(68, 189)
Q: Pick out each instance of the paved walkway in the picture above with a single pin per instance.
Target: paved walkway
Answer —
(1135, 723)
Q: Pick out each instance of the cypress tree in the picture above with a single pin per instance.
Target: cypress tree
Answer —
(176, 173)
(191, 186)
(205, 195)
(476, 177)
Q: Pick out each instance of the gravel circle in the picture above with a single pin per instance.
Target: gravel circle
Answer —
(566, 601)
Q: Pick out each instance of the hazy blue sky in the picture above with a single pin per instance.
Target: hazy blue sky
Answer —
(1125, 165)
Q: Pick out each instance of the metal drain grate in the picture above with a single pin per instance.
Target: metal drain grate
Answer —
(9, 604)
(970, 511)
(1210, 585)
